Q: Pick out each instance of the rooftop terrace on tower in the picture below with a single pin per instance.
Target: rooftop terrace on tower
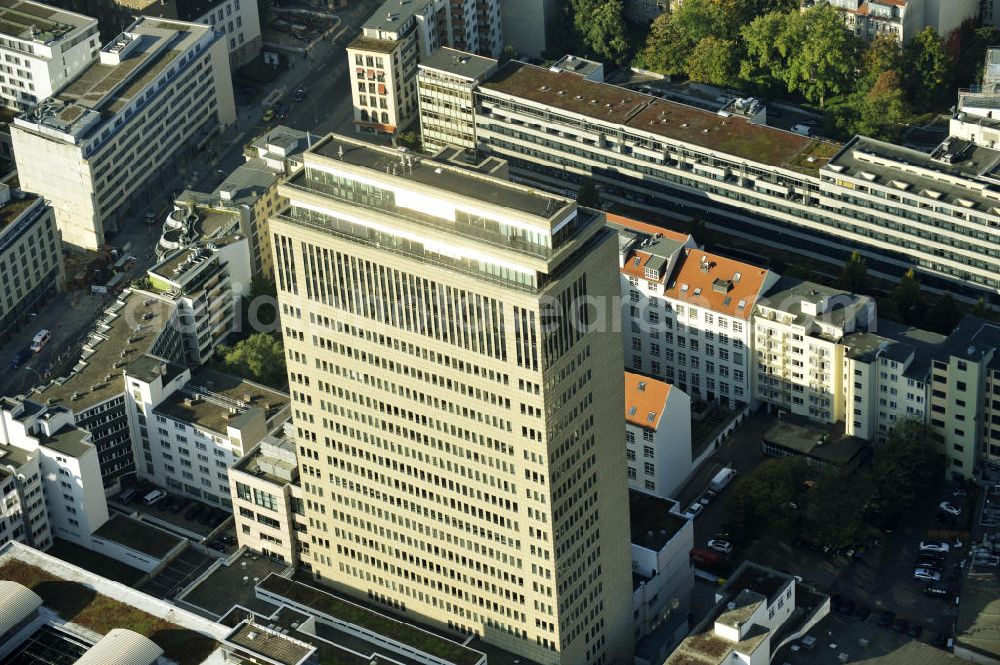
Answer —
(732, 135)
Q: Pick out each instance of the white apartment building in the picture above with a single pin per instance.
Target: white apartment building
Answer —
(662, 575)
(24, 516)
(159, 89)
(193, 427)
(42, 48)
(799, 328)
(902, 19)
(31, 261)
(67, 462)
(657, 435)
(267, 501)
(686, 313)
(238, 19)
(752, 608)
(446, 81)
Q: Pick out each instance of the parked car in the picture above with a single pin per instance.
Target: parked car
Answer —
(41, 338)
(195, 511)
(929, 564)
(179, 505)
(934, 546)
(268, 115)
(721, 479)
(282, 111)
(926, 574)
(218, 518)
(300, 94)
(722, 546)
(206, 517)
(706, 498)
(153, 497)
(20, 358)
(936, 591)
(693, 510)
(949, 508)
(960, 491)
(217, 545)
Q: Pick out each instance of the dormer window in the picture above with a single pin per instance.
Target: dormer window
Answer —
(652, 273)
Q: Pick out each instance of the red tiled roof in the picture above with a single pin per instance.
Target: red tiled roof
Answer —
(709, 280)
(645, 400)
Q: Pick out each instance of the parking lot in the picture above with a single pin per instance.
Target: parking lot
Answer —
(177, 574)
(878, 578)
(184, 515)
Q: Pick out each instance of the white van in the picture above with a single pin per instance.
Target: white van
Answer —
(153, 497)
(721, 479)
(42, 338)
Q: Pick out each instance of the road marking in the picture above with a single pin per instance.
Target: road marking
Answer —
(339, 34)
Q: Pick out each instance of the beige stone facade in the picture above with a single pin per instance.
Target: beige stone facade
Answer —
(459, 446)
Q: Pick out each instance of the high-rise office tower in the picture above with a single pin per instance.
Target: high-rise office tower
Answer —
(457, 407)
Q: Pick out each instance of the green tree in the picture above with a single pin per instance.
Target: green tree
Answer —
(762, 500)
(587, 195)
(928, 69)
(262, 301)
(882, 110)
(714, 61)
(908, 300)
(409, 140)
(884, 53)
(259, 357)
(825, 58)
(982, 310)
(766, 51)
(601, 23)
(943, 315)
(905, 467)
(843, 493)
(854, 276)
(673, 37)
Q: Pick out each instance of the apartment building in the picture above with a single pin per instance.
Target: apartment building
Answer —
(192, 427)
(42, 48)
(657, 435)
(899, 207)
(238, 19)
(662, 576)
(31, 261)
(400, 35)
(509, 515)
(755, 613)
(23, 514)
(687, 313)
(799, 328)
(44, 441)
(902, 19)
(179, 318)
(267, 500)
(446, 81)
(158, 90)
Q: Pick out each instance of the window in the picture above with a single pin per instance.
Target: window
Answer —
(649, 468)
(647, 452)
(630, 454)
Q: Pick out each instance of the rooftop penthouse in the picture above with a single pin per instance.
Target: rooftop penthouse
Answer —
(718, 132)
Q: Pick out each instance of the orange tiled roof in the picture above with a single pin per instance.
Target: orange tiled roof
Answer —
(645, 400)
(716, 287)
(633, 270)
(644, 227)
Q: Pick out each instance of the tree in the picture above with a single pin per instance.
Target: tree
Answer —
(854, 276)
(666, 48)
(844, 493)
(982, 310)
(601, 23)
(673, 37)
(259, 357)
(905, 467)
(262, 301)
(882, 110)
(928, 69)
(908, 300)
(767, 51)
(409, 140)
(824, 60)
(587, 196)
(943, 315)
(714, 61)
(762, 499)
(883, 54)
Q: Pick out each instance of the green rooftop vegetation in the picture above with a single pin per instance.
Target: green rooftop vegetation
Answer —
(13, 209)
(343, 610)
(82, 605)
